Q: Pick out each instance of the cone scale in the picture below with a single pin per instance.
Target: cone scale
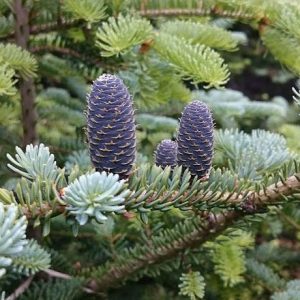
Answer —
(111, 126)
(195, 139)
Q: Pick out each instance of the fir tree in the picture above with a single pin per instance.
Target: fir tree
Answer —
(88, 90)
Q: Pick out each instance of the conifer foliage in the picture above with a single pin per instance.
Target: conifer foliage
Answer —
(127, 165)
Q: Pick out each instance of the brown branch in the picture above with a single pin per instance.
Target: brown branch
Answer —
(56, 274)
(27, 88)
(53, 26)
(47, 27)
(42, 210)
(272, 193)
(69, 52)
(62, 24)
(217, 12)
(55, 49)
(252, 203)
(205, 227)
(21, 289)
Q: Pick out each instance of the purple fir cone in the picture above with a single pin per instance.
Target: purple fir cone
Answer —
(195, 139)
(111, 126)
(166, 154)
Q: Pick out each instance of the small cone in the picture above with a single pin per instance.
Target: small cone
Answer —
(166, 154)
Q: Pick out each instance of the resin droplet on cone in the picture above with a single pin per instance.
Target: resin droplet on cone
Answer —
(166, 154)
(195, 139)
(111, 126)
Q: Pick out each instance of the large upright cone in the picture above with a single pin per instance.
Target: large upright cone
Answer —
(111, 126)
(195, 139)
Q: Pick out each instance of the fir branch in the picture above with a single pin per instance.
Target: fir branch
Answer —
(232, 109)
(118, 35)
(228, 256)
(47, 27)
(53, 26)
(152, 188)
(12, 235)
(196, 62)
(153, 82)
(250, 156)
(19, 59)
(89, 10)
(284, 48)
(164, 247)
(214, 12)
(54, 289)
(21, 289)
(197, 33)
(32, 259)
(56, 274)
(192, 285)
(261, 271)
(67, 51)
(60, 275)
(42, 211)
(287, 219)
(7, 80)
(60, 50)
(291, 292)
(192, 234)
(95, 195)
(146, 198)
(36, 161)
(6, 25)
